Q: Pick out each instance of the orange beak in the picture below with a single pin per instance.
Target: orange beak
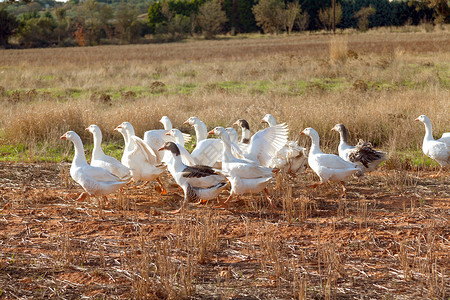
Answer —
(117, 128)
(63, 137)
(168, 133)
(211, 132)
(186, 122)
(161, 149)
(235, 123)
(302, 133)
(87, 129)
(417, 119)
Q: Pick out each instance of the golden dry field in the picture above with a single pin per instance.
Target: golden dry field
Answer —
(388, 239)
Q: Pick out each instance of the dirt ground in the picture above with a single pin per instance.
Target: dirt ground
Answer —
(389, 239)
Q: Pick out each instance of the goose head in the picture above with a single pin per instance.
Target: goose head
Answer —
(191, 121)
(339, 128)
(170, 146)
(311, 132)
(423, 119)
(242, 123)
(219, 131)
(269, 119)
(166, 122)
(70, 136)
(93, 128)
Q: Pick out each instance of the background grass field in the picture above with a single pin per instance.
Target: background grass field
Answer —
(389, 239)
(375, 83)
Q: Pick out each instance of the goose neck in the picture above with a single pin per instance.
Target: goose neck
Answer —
(315, 146)
(428, 130)
(343, 135)
(245, 136)
(201, 131)
(79, 157)
(226, 141)
(97, 151)
(271, 121)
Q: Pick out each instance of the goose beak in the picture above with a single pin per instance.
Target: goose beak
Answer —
(117, 128)
(86, 129)
(63, 137)
(167, 133)
(302, 133)
(161, 149)
(333, 129)
(186, 122)
(235, 123)
(211, 132)
(417, 119)
(263, 121)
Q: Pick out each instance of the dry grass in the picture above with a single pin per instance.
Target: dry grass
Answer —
(391, 241)
(374, 83)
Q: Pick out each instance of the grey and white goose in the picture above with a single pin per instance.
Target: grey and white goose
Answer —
(363, 154)
(198, 182)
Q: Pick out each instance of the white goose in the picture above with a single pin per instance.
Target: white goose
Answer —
(291, 158)
(263, 145)
(100, 159)
(185, 155)
(157, 137)
(95, 181)
(139, 157)
(362, 154)
(244, 176)
(197, 182)
(327, 166)
(207, 152)
(439, 150)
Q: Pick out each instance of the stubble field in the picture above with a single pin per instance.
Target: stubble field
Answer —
(389, 239)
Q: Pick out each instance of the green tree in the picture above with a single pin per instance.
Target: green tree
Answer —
(326, 16)
(211, 18)
(292, 13)
(363, 17)
(61, 29)
(38, 31)
(440, 8)
(269, 15)
(302, 21)
(126, 22)
(8, 26)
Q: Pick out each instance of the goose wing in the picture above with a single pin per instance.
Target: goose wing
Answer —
(265, 144)
(365, 154)
(99, 174)
(208, 152)
(145, 149)
(332, 161)
(202, 176)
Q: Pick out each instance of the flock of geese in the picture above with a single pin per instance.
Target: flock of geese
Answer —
(247, 164)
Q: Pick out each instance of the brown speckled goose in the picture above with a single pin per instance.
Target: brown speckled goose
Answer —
(362, 154)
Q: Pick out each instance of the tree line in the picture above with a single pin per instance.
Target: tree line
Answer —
(45, 23)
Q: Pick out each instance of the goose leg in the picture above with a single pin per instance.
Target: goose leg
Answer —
(225, 205)
(268, 197)
(344, 190)
(106, 201)
(82, 196)
(201, 201)
(161, 186)
(314, 185)
(176, 211)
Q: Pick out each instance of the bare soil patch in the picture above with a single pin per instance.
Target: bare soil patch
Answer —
(388, 239)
